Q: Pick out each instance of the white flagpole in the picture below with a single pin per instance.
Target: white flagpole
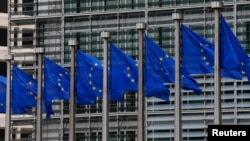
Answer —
(72, 43)
(217, 76)
(8, 59)
(105, 104)
(141, 98)
(177, 17)
(39, 123)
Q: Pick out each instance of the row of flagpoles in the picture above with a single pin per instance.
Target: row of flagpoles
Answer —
(148, 76)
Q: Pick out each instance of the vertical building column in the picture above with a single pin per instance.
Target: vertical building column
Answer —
(177, 17)
(105, 104)
(39, 136)
(19, 8)
(19, 36)
(18, 134)
(141, 96)
(72, 43)
(217, 6)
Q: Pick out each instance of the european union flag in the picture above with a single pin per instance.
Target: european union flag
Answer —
(2, 94)
(235, 58)
(56, 81)
(89, 78)
(123, 73)
(203, 50)
(197, 53)
(15, 109)
(56, 84)
(24, 89)
(229, 59)
(160, 68)
(155, 72)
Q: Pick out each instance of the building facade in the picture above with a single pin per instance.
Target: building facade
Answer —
(3, 45)
(51, 23)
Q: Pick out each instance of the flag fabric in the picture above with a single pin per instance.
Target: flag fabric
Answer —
(15, 109)
(160, 68)
(56, 83)
(230, 61)
(197, 53)
(123, 73)
(203, 50)
(89, 78)
(232, 52)
(2, 94)
(155, 73)
(24, 90)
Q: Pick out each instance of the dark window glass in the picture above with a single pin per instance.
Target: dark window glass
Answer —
(3, 6)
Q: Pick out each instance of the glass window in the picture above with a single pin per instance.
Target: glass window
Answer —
(111, 5)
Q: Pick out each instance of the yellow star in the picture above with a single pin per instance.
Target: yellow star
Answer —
(202, 50)
(30, 93)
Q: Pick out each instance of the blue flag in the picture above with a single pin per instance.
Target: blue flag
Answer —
(197, 53)
(56, 84)
(156, 75)
(24, 90)
(56, 81)
(160, 68)
(123, 73)
(89, 78)
(203, 50)
(229, 59)
(15, 109)
(2, 94)
(232, 52)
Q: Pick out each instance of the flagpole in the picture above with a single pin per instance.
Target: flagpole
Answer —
(72, 43)
(8, 58)
(105, 104)
(141, 101)
(217, 6)
(177, 17)
(40, 52)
